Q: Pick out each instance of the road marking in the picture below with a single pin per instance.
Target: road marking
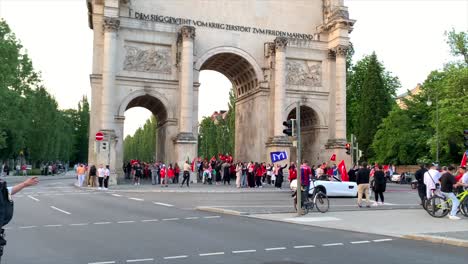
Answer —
(136, 199)
(211, 254)
(313, 219)
(305, 246)
(139, 260)
(244, 251)
(164, 204)
(191, 218)
(176, 257)
(332, 244)
(125, 222)
(104, 262)
(80, 224)
(27, 227)
(170, 219)
(150, 220)
(35, 199)
(52, 225)
(382, 240)
(116, 195)
(272, 249)
(214, 216)
(360, 242)
(60, 210)
(102, 223)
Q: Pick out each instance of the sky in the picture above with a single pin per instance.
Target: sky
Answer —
(407, 36)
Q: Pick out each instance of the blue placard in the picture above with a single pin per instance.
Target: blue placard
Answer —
(278, 156)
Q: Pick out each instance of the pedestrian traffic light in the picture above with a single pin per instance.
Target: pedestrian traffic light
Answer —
(348, 148)
(290, 127)
(104, 146)
(465, 136)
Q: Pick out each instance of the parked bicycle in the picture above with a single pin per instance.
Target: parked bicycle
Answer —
(317, 199)
(439, 206)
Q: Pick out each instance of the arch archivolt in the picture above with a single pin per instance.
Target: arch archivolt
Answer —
(318, 112)
(169, 108)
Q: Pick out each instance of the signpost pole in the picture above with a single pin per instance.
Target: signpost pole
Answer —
(299, 158)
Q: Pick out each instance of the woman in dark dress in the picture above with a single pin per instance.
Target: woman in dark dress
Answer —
(379, 184)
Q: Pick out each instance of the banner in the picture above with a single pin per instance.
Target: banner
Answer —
(342, 171)
(278, 156)
(333, 157)
(463, 161)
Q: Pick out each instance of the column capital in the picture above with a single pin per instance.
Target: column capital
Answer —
(280, 43)
(111, 24)
(331, 54)
(187, 32)
(341, 50)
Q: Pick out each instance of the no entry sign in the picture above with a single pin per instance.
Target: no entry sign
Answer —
(99, 136)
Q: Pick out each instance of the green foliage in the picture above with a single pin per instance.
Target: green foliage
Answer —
(142, 145)
(458, 43)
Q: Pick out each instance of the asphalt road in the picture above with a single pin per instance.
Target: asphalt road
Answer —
(56, 223)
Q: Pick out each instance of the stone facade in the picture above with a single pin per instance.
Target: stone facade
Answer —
(149, 53)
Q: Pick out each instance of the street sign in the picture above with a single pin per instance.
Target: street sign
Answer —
(278, 156)
(99, 136)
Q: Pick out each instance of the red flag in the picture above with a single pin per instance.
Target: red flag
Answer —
(333, 157)
(463, 161)
(343, 172)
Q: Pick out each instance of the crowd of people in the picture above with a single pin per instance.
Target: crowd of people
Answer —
(90, 176)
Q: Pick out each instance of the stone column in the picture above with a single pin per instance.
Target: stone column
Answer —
(111, 25)
(332, 89)
(186, 83)
(340, 92)
(280, 85)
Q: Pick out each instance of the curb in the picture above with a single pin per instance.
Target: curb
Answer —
(439, 240)
(220, 211)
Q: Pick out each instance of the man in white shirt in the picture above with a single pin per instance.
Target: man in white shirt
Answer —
(464, 178)
(100, 174)
(431, 178)
(106, 177)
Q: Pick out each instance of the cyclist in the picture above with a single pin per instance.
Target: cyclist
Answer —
(431, 179)
(448, 183)
(306, 173)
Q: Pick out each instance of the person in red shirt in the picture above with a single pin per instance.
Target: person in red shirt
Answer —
(163, 174)
(259, 174)
(170, 172)
(292, 172)
(176, 173)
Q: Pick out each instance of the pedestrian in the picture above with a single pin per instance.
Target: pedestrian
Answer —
(6, 169)
(464, 178)
(170, 172)
(106, 177)
(292, 172)
(379, 185)
(419, 176)
(226, 173)
(431, 179)
(238, 174)
(154, 174)
(137, 174)
(447, 186)
(279, 175)
(186, 174)
(163, 173)
(81, 172)
(362, 180)
(92, 176)
(269, 169)
(352, 173)
(100, 174)
(244, 175)
(258, 175)
(176, 173)
(250, 174)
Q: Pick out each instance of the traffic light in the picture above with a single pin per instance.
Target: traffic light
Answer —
(465, 136)
(289, 130)
(104, 146)
(348, 148)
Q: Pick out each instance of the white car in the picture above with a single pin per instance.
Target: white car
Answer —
(332, 188)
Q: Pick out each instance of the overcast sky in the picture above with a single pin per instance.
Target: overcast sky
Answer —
(407, 35)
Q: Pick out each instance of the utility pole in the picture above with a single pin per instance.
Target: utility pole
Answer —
(299, 159)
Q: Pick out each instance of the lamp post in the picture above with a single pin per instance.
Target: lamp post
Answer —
(429, 103)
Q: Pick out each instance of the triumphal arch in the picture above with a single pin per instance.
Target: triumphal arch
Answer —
(149, 53)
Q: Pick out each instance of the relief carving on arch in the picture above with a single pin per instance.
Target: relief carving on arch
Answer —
(149, 59)
(304, 73)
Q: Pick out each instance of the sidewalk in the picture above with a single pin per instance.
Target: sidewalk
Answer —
(16, 179)
(409, 223)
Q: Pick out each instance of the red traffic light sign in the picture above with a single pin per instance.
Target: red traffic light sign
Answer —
(99, 136)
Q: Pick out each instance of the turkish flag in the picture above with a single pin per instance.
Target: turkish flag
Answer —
(463, 161)
(343, 172)
(333, 157)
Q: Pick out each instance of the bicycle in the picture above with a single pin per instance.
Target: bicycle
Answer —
(317, 199)
(439, 206)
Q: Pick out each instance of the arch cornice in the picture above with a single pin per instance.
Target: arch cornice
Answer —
(142, 92)
(314, 107)
(228, 49)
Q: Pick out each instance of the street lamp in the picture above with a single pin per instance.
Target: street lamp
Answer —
(429, 103)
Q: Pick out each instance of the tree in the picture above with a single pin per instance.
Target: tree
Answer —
(458, 43)
(142, 145)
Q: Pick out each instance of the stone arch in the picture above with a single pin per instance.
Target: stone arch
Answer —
(317, 111)
(131, 100)
(236, 64)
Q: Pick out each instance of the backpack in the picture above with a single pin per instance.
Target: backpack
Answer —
(6, 205)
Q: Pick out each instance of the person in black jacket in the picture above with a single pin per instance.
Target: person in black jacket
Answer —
(379, 184)
(362, 180)
(419, 175)
(352, 174)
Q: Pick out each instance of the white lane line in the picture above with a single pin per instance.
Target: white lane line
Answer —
(27, 227)
(52, 225)
(103, 262)
(60, 210)
(382, 240)
(191, 218)
(80, 224)
(360, 242)
(273, 249)
(305, 246)
(116, 195)
(35, 199)
(150, 220)
(125, 222)
(244, 251)
(164, 204)
(139, 260)
(136, 199)
(211, 254)
(170, 219)
(214, 216)
(101, 223)
(176, 257)
(332, 244)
